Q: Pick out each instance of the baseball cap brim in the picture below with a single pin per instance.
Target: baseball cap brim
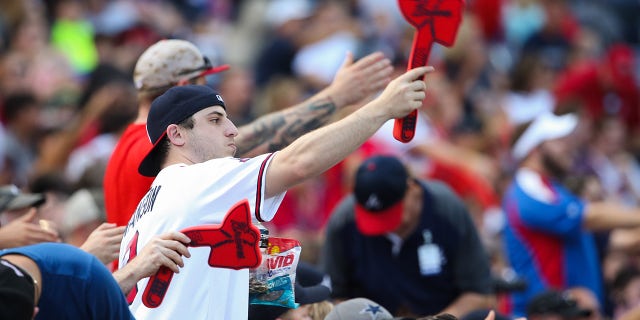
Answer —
(544, 128)
(26, 200)
(375, 223)
(11, 201)
(215, 69)
(150, 165)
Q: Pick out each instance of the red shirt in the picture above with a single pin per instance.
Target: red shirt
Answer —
(123, 185)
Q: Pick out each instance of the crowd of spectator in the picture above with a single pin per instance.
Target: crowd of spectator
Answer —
(67, 93)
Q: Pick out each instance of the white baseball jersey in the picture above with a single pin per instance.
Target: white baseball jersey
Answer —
(184, 196)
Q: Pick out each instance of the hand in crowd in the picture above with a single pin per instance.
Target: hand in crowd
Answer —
(25, 231)
(104, 242)
(356, 81)
(103, 99)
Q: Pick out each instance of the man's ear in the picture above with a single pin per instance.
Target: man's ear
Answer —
(175, 135)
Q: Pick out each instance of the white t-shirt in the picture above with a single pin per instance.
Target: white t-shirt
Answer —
(183, 196)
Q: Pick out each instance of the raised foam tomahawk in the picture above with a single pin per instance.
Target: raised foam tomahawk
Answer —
(435, 21)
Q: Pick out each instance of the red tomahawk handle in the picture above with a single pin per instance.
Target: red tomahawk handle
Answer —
(435, 21)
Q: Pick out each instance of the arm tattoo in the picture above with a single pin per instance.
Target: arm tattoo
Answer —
(259, 132)
(280, 129)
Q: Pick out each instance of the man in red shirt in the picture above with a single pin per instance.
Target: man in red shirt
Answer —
(174, 62)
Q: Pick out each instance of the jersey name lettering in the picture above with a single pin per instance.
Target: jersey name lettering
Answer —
(145, 205)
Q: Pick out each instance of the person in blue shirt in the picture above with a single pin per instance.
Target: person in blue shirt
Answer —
(547, 236)
(60, 281)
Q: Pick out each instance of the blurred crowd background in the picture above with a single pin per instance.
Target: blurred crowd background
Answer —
(66, 93)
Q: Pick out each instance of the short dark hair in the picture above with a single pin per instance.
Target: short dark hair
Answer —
(165, 144)
(187, 123)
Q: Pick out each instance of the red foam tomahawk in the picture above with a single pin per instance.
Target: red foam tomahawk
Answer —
(435, 21)
(235, 244)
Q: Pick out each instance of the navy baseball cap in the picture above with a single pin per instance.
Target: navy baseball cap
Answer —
(173, 107)
(380, 186)
(17, 292)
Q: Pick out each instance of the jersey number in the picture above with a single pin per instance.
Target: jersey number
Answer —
(133, 251)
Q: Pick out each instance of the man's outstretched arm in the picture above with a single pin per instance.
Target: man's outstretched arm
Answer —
(352, 83)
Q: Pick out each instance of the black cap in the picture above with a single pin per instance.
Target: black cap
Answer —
(173, 107)
(555, 303)
(17, 292)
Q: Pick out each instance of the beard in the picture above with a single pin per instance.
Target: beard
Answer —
(554, 167)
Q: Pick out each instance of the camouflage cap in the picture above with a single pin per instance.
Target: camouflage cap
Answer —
(167, 62)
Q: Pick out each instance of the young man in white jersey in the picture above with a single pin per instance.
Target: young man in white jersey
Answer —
(199, 183)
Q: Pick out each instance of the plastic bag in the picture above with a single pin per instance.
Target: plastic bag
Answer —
(273, 282)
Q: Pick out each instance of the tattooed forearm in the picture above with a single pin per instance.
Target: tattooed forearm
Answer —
(276, 131)
(319, 113)
(258, 132)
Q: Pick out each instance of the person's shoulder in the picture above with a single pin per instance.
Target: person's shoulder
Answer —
(440, 191)
(444, 201)
(343, 213)
(135, 129)
(133, 139)
(45, 250)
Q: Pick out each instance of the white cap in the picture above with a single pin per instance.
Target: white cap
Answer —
(167, 62)
(281, 11)
(545, 127)
(81, 208)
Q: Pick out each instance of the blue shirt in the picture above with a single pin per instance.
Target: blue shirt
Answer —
(545, 242)
(75, 284)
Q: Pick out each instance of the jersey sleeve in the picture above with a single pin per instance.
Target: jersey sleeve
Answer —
(266, 207)
(237, 179)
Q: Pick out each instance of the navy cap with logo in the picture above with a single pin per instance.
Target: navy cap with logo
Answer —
(380, 186)
(173, 107)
